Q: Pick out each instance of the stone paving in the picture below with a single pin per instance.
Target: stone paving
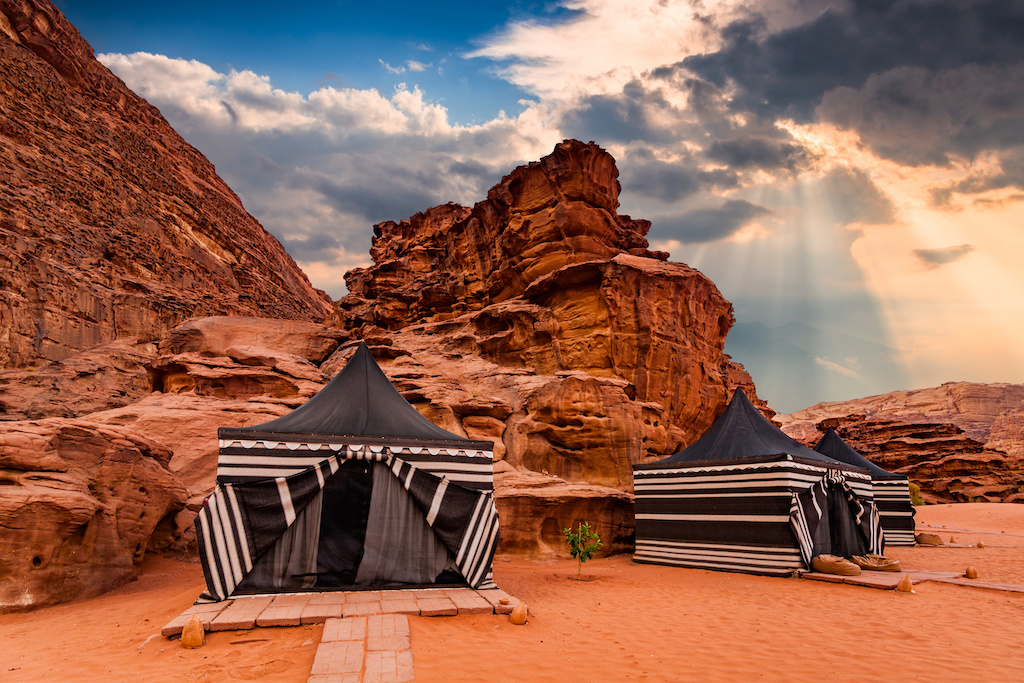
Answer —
(888, 580)
(366, 633)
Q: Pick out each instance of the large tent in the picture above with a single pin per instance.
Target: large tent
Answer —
(891, 490)
(746, 497)
(353, 489)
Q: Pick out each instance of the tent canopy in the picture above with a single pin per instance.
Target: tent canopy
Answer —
(360, 401)
(742, 432)
(833, 446)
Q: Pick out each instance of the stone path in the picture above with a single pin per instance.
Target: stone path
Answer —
(888, 580)
(366, 633)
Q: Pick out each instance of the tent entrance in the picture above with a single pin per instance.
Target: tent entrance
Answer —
(362, 531)
(346, 500)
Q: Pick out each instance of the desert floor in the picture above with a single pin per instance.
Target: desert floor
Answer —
(629, 622)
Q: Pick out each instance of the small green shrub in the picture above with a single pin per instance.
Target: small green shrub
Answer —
(915, 495)
(582, 544)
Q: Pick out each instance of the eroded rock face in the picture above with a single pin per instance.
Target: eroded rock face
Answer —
(79, 505)
(111, 225)
(960, 441)
(539, 319)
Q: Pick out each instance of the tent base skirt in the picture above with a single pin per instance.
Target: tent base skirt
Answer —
(768, 561)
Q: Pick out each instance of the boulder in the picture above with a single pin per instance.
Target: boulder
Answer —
(80, 505)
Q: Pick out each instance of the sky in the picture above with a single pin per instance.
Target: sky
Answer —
(849, 174)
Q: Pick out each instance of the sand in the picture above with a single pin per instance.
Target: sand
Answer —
(628, 622)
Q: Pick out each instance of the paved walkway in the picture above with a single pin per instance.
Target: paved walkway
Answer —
(366, 633)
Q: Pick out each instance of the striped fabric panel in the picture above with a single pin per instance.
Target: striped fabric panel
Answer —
(806, 512)
(778, 560)
(240, 522)
(466, 520)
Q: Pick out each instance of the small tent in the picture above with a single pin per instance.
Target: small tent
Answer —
(353, 489)
(746, 497)
(891, 491)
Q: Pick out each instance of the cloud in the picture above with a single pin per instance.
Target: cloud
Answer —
(933, 258)
(854, 197)
(851, 372)
(319, 170)
(392, 69)
(756, 152)
(708, 224)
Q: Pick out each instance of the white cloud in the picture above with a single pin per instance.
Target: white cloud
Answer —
(851, 372)
(392, 69)
(417, 66)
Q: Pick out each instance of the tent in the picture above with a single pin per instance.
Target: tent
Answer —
(891, 491)
(353, 489)
(746, 497)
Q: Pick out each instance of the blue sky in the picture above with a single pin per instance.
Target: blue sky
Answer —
(850, 173)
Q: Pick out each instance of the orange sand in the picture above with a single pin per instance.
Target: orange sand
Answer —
(631, 621)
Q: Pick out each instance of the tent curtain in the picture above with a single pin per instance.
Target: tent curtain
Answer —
(291, 563)
(829, 518)
(400, 547)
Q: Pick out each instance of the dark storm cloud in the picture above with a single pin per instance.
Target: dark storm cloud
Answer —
(311, 247)
(640, 173)
(636, 113)
(933, 258)
(856, 199)
(758, 153)
(788, 72)
(709, 224)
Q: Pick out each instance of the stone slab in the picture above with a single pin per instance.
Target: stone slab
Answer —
(439, 606)
(494, 596)
(885, 580)
(240, 614)
(974, 583)
(335, 678)
(363, 596)
(206, 611)
(344, 629)
(339, 657)
(403, 605)
(323, 606)
(360, 609)
(468, 601)
(388, 667)
(387, 632)
(817, 576)
(285, 610)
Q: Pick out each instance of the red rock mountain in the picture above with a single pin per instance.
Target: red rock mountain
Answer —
(960, 441)
(539, 319)
(111, 225)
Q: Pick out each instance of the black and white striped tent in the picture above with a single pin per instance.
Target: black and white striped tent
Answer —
(352, 489)
(746, 497)
(892, 491)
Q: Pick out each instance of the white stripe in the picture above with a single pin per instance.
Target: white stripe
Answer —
(262, 473)
(255, 459)
(789, 464)
(715, 518)
(485, 549)
(230, 539)
(466, 539)
(286, 501)
(334, 464)
(218, 537)
(454, 466)
(435, 504)
(211, 558)
(751, 494)
(243, 537)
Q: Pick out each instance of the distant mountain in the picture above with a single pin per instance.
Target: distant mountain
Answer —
(796, 365)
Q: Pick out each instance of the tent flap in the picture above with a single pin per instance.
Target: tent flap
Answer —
(829, 518)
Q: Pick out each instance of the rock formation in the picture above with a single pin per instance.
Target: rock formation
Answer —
(960, 441)
(539, 319)
(111, 225)
(79, 505)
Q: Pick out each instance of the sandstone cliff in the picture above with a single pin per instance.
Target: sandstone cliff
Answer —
(959, 441)
(111, 225)
(539, 319)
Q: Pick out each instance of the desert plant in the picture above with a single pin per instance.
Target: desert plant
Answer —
(915, 495)
(582, 544)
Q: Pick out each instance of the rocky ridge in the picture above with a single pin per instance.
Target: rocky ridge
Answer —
(959, 442)
(539, 319)
(111, 225)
